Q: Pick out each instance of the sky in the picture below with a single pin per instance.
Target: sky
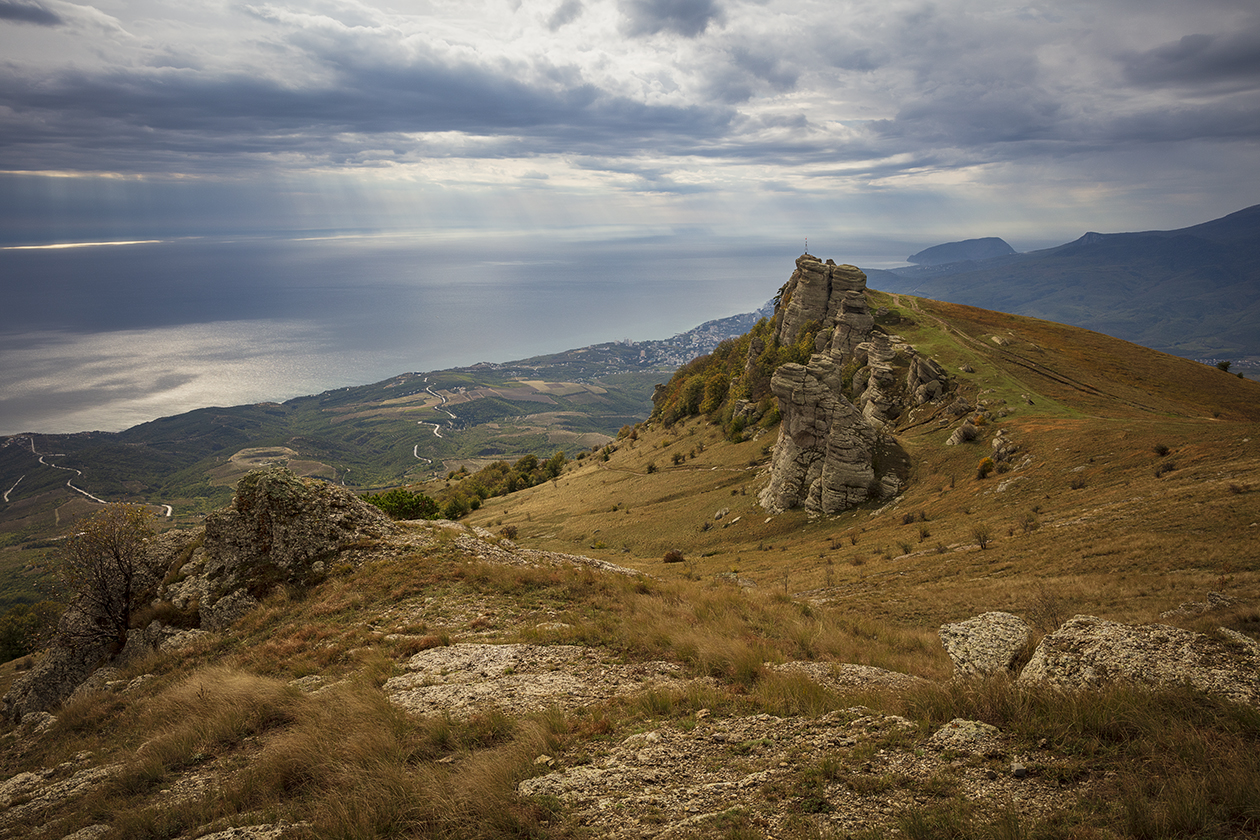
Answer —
(838, 121)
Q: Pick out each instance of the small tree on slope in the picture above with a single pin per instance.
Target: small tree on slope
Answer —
(107, 570)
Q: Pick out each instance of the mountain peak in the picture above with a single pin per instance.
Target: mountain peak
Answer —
(968, 249)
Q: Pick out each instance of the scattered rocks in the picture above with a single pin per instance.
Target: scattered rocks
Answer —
(1215, 601)
(1088, 652)
(985, 645)
(465, 678)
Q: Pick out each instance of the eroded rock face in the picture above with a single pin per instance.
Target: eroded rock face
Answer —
(825, 456)
(280, 529)
(984, 645)
(1088, 652)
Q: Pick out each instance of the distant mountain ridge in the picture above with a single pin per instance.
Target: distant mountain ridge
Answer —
(985, 248)
(1193, 292)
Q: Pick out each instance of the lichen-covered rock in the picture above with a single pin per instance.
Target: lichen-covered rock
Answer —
(968, 736)
(280, 529)
(1088, 652)
(984, 645)
(280, 520)
(465, 678)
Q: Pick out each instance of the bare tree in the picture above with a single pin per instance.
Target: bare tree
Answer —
(106, 568)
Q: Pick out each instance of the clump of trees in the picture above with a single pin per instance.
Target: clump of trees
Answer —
(26, 628)
(468, 491)
(109, 572)
(400, 503)
(738, 369)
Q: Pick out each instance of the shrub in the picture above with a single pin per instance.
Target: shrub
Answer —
(1165, 467)
(674, 556)
(404, 504)
(1223, 366)
(982, 535)
(985, 467)
(1161, 450)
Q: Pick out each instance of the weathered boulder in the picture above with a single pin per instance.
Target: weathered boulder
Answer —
(1088, 652)
(290, 523)
(279, 529)
(963, 434)
(968, 736)
(69, 660)
(984, 645)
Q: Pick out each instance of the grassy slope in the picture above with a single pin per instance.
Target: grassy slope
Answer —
(1125, 543)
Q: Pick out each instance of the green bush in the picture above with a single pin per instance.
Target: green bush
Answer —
(404, 504)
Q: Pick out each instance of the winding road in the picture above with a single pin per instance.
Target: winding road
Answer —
(168, 510)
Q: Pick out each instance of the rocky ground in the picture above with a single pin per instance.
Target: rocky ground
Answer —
(689, 769)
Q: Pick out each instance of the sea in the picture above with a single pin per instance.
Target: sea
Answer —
(104, 336)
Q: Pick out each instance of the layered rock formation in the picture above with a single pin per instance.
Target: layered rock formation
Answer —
(836, 407)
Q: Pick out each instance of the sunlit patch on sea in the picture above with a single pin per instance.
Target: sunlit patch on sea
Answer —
(103, 338)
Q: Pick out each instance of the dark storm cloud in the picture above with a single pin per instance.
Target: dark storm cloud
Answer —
(167, 110)
(688, 18)
(28, 13)
(1199, 59)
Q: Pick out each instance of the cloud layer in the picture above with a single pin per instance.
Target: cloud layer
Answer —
(1052, 107)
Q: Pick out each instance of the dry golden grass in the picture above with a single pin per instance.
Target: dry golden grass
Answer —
(1087, 516)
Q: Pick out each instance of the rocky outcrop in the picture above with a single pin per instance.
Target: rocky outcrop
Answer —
(823, 458)
(835, 408)
(987, 644)
(279, 529)
(71, 658)
(1088, 652)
